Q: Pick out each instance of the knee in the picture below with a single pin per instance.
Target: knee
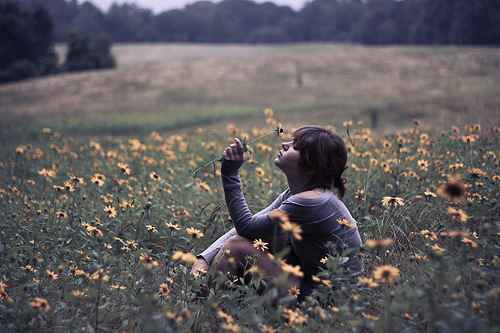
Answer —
(238, 247)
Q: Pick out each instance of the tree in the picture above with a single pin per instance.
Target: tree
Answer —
(26, 46)
(85, 53)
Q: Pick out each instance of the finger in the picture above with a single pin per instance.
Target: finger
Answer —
(230, 153)
(239, 146)
(226, 153)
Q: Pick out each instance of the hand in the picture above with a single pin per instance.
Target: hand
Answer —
(200, 266)
(235, 151)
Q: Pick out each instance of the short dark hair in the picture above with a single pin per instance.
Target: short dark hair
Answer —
(324, 154)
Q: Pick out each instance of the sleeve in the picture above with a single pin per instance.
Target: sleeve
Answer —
(209, 254)
(246, 224)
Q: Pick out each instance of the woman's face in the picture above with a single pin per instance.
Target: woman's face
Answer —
(287, 158)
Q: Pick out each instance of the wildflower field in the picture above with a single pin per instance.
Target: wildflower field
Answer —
(98, 234)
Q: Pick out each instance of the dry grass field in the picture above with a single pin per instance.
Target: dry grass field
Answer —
(172, 86)
(102, 213)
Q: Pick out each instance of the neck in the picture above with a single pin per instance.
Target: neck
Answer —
(297, 185)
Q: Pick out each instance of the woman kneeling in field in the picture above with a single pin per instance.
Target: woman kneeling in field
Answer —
(307, 217)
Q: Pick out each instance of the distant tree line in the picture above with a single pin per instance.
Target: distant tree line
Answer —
(460, 22)
(30, 28)
(27, 45)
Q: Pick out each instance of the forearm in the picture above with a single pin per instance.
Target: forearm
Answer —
(238, 209)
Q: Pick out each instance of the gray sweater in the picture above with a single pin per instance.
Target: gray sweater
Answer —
(317, 218)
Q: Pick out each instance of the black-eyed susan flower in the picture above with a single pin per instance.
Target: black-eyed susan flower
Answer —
(260, 245)
(110, 211)
(259, 172)
(148, 261)
(164, 290)
(344, 222)
(378, 243)
(98, 179)
(173, 226)
(294, 317)
(458, 214)
(386, 274)
(438, 250)
(185, 257)
(292, 270)
(154, 176)
(392, 201)
(41, 304)
(193, 232)
(61, 215)
(292, 228)
(368, 282)
(266, 329)
(294, 291)
(124, 168)
(369, 316)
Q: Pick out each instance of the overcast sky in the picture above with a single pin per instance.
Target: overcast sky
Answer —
(160, 5)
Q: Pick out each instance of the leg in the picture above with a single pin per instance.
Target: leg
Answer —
(233, 259)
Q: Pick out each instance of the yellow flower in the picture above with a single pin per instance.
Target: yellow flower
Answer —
(469, 242)
(392, 201)
(369, 316)
(259, 172)
(40, 304)
(224, 316)
(268, 112)
(292, 270)
(110, 211)
(98, 179)
(385, 273)
(285, 224)
(203, 186)
(260, 245)
(61, 215)
(476, 172)
(151, 228)
(185, 257)
(193, 232)
(423, 164)
(294, 291)
(93, 231)
(347, 124)
(438, 250)
(173, 226)
(470, 138)
(343, 221)
(154, 176)
(47, 173)
(294, 318)
(266, 329)
(429, 194)
(458, 214)
(430, 235)
(378, 243)
(453, 190)
(124, 168)
(366, 281)
(164, 289)
(78, 293)
(233, 328)
(148, 261)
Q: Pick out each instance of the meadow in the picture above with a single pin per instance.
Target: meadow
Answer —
(101, 214)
